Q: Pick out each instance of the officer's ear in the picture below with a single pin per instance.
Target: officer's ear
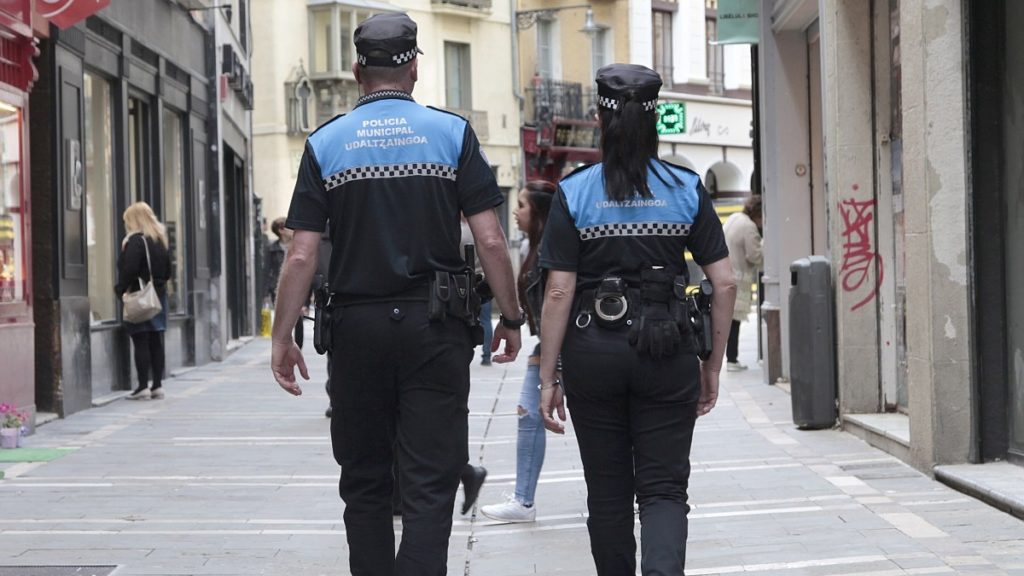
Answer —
(414, 70)
(357, 72)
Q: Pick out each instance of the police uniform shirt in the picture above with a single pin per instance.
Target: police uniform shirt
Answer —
(391, 177)
(598, 238)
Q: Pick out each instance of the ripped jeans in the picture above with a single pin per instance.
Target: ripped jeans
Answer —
(530, 440)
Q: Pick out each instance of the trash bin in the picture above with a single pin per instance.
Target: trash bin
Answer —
(812, 356)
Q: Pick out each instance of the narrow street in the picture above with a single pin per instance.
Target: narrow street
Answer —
(231, 476)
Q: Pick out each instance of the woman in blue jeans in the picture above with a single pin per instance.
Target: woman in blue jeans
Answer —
(532, 213)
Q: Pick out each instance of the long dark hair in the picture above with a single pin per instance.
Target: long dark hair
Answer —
(629, 139)
(538, 194)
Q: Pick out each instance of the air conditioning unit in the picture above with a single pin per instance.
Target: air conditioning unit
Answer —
(231, 67)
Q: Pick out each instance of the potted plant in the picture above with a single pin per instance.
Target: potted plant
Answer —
(11, 425)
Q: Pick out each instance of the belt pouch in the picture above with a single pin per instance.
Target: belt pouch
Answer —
(440, 296)
(322, 329)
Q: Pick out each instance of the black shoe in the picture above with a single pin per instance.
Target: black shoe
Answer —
(485, 361)
(330, 411)
(472, 481)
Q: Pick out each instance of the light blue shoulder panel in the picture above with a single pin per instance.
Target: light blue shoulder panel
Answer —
(388, 133)
(675, 201)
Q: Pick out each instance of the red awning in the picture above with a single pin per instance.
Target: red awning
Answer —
(66, 13)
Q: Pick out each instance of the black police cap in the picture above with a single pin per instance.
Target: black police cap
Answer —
(627, 82)
(386, 40)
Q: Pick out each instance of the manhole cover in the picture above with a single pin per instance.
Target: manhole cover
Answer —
(56, 570)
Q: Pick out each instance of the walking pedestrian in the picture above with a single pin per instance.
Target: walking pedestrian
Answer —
(613, 248)
(144, 257)
(743, 237)
(532, 213)
(278, 251)
(391, 178)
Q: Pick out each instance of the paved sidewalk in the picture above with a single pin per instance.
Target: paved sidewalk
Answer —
(231, 476)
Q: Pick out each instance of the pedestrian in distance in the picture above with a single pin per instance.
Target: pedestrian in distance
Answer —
(613, 248)
(390, 178)
(743, 237)
(144, 256)
(530, 216)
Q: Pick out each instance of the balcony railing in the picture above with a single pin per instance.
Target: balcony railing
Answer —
(548, 99)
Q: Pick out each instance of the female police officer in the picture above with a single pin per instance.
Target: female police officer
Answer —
(614, 251)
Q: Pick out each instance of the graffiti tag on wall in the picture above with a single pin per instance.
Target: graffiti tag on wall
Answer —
(859, 256)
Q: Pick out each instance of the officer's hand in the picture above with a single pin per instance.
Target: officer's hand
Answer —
(513, 342)
(708, 388)
(283, 359)
(552, 399)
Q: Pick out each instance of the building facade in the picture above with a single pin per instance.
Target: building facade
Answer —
(705, 100)
(464, 69)
(144, 113)
(892, 147)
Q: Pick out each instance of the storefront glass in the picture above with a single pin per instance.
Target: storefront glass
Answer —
(99, 198)
(12, 215)
(173, 213)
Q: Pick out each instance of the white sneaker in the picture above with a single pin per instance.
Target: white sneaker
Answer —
(511, 511)
(735, 367)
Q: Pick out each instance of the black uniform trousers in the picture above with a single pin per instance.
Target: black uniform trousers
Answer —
(399, 383)
(634, 420)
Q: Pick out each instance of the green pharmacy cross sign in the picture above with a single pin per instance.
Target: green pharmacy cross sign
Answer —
(671, 118)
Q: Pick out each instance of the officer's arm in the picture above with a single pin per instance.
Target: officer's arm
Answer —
(558, 297)
(493, 253)
(295, 279)
(723, 299)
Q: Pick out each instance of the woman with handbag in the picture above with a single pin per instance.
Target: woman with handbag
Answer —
(144, 268)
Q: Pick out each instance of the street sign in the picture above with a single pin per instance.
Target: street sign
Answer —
(739, 22)
(671, 118)
(65, 13)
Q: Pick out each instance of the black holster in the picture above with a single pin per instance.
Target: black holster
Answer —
(698, 313)
(456, 296)
(322, 315)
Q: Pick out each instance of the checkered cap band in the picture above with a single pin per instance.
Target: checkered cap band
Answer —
(405, 56)
(390, 171)
(613, 104)
(634, 229)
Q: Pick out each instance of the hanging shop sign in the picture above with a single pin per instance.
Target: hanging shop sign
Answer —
(671, 118)
(739, 22)
(66, 13)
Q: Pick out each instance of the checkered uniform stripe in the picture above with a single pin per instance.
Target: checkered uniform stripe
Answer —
(404, 56)
(381, 94)
(390, 171)
(613, 104)
(634, 229)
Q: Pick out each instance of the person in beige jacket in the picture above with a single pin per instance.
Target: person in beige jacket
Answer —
(743, 236)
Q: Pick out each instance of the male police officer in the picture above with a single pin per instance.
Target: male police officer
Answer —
(390, 178)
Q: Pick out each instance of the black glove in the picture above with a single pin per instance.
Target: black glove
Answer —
(655, 333)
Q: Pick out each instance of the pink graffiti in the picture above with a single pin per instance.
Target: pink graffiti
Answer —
(859, 256)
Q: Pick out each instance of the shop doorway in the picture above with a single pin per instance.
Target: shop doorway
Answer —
(236, 237)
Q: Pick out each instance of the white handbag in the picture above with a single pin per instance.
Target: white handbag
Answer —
(143, 304)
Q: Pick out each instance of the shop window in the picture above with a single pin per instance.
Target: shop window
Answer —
(458, 84)
(174, 210)
(100, 212)
(599, 50)
(12, 223)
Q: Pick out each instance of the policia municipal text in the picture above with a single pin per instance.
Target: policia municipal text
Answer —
(402, 305)
(615, 307)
